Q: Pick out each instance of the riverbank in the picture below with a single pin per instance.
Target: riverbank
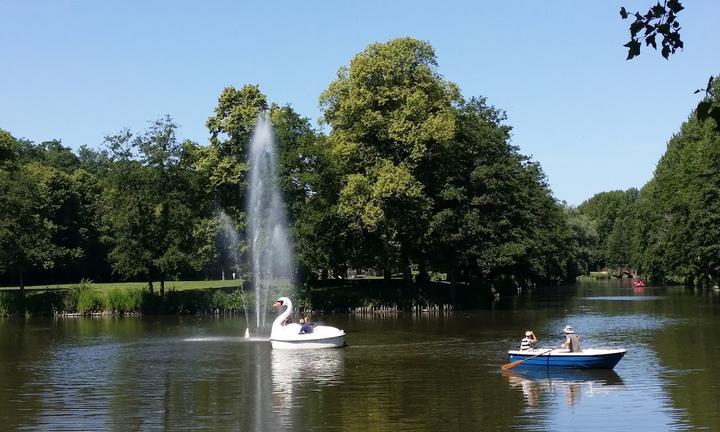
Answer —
(216, 297)
(181, 298)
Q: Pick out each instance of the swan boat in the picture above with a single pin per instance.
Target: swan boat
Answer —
(591, 358)
(288, 336)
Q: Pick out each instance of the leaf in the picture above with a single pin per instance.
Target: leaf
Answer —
(633, 49)
(675, 6)
(623, 13)
(703, 110)
(658, 10)
(665, 52)
(650, 40)
(715, 115)
(636, 26)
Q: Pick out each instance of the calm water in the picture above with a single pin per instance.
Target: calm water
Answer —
(400, 372)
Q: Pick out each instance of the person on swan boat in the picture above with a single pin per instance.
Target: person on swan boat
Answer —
(529, 341)
(572, 341)
(306, 326)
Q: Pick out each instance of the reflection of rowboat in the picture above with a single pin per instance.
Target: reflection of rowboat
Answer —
(592, 358)
(605, 377)
(536, 383)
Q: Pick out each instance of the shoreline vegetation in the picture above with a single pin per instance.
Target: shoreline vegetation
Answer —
(218, 298)
(407, 176)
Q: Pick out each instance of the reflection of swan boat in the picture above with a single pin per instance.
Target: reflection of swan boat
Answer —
(592, 358)
(288, 336)
(294, 370)
(320, 367)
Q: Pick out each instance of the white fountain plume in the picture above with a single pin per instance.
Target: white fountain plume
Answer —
(232, 245)
(270, 248)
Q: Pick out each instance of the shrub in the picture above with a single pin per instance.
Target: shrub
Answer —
(89, 301)
(82, 298)
(124, 300)
(11, 303)
(218, 299)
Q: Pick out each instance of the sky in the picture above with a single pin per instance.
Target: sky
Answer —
(81, 70)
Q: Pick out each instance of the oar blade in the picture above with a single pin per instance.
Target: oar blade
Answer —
(511, 365)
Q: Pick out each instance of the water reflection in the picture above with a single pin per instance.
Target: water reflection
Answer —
(538, 383)
(293, 371)
(401, 372)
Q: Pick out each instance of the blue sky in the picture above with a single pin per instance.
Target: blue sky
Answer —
(80, 70)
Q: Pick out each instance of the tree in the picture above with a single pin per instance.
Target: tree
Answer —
(25, 229)
(610, 214)
(389, 111)
(235, 116)
(493, 216)
(148, 217)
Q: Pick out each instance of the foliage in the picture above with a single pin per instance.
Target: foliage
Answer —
(669, 229)
(27, 228)
(82, 298)
(660, 20)
(120, 300)
(409, 178)
(147, 212)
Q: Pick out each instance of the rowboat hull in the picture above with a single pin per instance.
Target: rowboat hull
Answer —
(587, 359)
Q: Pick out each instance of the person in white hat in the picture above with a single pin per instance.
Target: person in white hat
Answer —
(529, 341)
(572, 341)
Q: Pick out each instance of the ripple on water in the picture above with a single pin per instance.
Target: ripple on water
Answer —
(625, 298)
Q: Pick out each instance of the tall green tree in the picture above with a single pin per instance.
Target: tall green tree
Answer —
(389, 112)
(26, 228)
(149, 219)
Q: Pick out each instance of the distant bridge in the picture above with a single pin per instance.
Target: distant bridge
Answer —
(619, 272)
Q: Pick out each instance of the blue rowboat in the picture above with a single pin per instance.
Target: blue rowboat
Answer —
(592, 358)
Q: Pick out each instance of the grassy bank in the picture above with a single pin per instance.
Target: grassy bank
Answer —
(170, 285)
(129, 298)
(223, 297)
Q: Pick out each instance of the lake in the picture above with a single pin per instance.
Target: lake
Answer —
(419, 372)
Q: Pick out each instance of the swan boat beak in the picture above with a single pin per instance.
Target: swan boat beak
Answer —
(277, 304)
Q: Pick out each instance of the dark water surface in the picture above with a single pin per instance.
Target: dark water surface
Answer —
(400, 372)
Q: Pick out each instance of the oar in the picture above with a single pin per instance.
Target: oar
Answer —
(518, 362)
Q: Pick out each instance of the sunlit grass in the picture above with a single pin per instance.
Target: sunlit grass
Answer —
(169, 285)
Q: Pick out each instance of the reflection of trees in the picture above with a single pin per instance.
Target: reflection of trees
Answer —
(691, 353)
(22, 348)
(218, 384)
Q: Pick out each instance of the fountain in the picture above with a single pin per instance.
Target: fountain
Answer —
(232, 243)
(270, 248)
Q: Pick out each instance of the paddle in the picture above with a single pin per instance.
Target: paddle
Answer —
(517, 362)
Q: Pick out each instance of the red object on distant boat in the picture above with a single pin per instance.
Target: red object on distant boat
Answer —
(638, 283)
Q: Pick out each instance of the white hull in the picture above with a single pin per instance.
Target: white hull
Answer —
(309, 342)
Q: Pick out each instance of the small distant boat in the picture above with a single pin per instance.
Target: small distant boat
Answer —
(638, 283)
(591, 358)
